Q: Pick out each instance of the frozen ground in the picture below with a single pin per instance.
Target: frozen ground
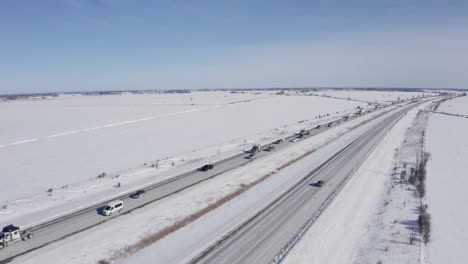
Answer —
(371, 96)
(354, 228)
(65, 140)
(106, 240)
(447, 181)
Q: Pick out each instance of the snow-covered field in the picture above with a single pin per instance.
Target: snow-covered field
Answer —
(447, 181)
(371, 96)
(51, 143)
(343, 234)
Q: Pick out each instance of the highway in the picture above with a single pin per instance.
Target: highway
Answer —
(263, 236)
(73, 223)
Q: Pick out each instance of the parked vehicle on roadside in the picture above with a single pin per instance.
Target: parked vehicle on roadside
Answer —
(138, 194)
(293, 140)
(11, 234)
(207, 167)
(112, 207)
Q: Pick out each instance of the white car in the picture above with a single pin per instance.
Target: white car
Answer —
(293, 140)
(112, 207)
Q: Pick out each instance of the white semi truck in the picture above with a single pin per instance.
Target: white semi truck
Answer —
(11, 234)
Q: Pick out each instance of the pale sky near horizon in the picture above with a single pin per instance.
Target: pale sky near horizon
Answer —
(80, 45)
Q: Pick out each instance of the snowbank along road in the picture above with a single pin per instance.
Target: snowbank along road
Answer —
(70, 224)
(262, 237)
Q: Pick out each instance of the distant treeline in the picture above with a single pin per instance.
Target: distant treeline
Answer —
(298, 89)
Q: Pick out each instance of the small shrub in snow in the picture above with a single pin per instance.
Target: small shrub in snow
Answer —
(103, 261)
(403, 175)
(5, 206)
(118, 185)
(50, 190)
(102, 175)
(412, 179)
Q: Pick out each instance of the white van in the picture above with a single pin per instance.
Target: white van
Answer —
(112, 207)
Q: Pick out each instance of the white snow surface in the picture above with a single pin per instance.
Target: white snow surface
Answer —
(102, 241)
(51, 143)
(447, 181)
(341, 233)
(371, 96)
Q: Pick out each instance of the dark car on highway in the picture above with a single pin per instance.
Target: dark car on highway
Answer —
(138, 194)
(269, 148)
(320, 183)
(207, 167)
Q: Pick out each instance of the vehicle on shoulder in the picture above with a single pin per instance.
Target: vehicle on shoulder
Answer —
(293, 140)
(207, 167)
(112, 207)
(329, 124)
(317, 126)
(320, 183)
(138, 194)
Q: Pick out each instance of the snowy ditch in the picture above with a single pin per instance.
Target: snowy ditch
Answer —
(401, 226)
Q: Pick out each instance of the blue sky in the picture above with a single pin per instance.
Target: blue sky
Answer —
(72, 45)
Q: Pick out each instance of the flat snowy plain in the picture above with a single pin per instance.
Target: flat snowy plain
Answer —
(447, 180)
(369, 96)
